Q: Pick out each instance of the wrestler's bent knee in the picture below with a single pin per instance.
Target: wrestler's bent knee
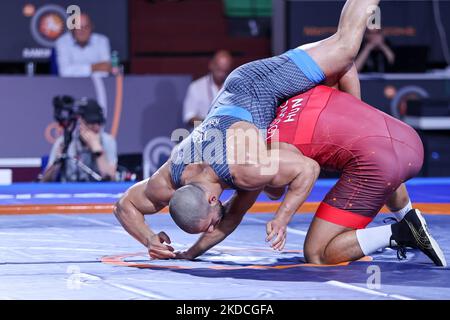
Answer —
(313, 255)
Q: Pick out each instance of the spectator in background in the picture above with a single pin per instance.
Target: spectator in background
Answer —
(376, 54)
(201, 92)
(80, 52)
(90, 145)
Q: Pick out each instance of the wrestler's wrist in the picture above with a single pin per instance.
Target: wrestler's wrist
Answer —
(148, 239)
(190, 254)
(283, 218)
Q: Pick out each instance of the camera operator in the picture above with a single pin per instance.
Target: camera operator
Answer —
(91, 154)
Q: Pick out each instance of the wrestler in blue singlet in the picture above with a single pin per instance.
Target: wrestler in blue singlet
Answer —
(251, 93)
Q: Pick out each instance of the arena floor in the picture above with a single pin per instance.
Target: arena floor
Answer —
(67, 255)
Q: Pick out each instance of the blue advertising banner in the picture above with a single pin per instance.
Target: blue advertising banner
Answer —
(29, 28)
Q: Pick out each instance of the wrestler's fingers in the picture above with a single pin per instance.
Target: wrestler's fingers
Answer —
(272, 234)
(161, 254)
(161, 246)
(162, 235)
(268, 228)
(280, 246)
(278, 239)
(170, 248)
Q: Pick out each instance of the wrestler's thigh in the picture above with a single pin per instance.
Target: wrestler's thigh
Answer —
(333, 58)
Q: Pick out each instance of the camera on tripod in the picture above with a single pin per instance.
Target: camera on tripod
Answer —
(67, 110)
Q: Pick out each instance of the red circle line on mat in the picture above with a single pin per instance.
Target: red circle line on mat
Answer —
(119, 260)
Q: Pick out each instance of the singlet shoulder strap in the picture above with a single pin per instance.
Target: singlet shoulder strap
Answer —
(202, 144)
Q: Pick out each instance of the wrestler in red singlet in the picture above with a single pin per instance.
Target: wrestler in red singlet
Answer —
(374, 151)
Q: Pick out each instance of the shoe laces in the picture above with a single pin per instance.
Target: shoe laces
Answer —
(401, 250)
(401, 253)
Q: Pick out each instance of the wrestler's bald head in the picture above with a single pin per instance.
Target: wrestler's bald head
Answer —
(190, 209)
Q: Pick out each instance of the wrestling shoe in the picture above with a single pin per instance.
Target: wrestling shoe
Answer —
(412, 231)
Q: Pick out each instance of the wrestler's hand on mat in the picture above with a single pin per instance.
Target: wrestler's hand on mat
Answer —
(157, 249)
(183, 255)
(276, 229)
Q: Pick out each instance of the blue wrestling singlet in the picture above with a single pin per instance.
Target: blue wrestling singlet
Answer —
(251, 93)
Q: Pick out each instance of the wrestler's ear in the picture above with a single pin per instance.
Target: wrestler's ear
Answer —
(212, 199)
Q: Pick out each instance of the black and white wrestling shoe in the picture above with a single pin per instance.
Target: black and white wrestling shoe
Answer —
(412, 231)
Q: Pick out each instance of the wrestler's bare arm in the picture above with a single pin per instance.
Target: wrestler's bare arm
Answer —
(350, 84)
(299, 173)
(146, 197)
(288, 167)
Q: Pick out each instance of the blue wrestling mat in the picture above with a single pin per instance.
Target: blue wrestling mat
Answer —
(90, 256)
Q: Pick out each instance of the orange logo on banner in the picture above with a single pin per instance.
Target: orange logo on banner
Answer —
(51, 26)
(52, 132)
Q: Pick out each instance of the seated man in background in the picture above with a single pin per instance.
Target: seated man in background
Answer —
(376, 54)
(91, 154)
(82, 52)
(201, 92)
